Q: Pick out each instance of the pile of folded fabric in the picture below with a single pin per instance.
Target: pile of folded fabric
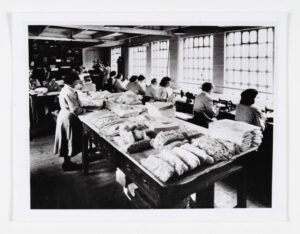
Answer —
(106, 122)
(243, 134)
(129, 98)
(176, 160)
(126, 111)
(92, 99)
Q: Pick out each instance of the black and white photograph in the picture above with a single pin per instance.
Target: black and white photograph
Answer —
(128, 117)
(140, 116)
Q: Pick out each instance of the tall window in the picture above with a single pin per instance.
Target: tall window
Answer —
(115, 54)
(160, 62)
(249, 62)
(137, 60)
(197, 59)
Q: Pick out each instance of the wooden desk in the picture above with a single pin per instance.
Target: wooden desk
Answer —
(163, 195)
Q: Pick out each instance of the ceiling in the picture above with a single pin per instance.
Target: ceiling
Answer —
(113, 35)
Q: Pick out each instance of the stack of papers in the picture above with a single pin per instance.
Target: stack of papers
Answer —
(243, 134)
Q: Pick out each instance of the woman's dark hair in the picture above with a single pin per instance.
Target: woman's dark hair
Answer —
(71, 78)
(248, 96)
(154, 81)
(164, 81)
(118, 76)
(133, 79)
(207, 86)
(141, 78)
(112, 73)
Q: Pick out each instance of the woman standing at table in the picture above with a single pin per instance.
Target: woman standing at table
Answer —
(245, 112)
(68, 127)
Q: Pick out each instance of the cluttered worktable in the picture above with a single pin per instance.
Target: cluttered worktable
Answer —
(156, 192)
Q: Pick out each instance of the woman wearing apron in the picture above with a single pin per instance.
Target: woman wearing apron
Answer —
(68, 127)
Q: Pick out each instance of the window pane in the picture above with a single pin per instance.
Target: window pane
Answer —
(253, 50)
(262, 64)
(270, 64)
(270, 35)
(245, 36)
(196, 42)
(253, 79)
(253, 64)
(245, 50)
(270, 50)
(245, 64)
(253, 36)
(262, 35)
(230, 39)
(206, 41)
(230, 63)
(262, 50)
(230, 51)
(237, 38)
(200, 41)
(237, 63)
(237, 51)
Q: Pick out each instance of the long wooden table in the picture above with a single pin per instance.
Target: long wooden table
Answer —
(164, 195)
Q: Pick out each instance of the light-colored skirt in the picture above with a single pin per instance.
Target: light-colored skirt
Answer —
(68, 134)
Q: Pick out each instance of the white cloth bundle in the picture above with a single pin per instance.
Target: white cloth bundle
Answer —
(243, 134)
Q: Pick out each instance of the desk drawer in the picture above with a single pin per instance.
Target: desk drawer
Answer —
(145, 183)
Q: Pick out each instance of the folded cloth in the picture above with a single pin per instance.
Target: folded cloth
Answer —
(158, 167)
(190, 159)
(201, 154)
(171, 158)
(243, 134)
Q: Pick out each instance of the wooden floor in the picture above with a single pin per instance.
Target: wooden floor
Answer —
(51, 188)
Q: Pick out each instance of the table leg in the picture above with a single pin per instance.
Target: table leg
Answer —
(85, 155)
(242, 190)
(205, 197)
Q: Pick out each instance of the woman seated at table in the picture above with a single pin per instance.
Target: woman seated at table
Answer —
(68, 127)
(118, 84)
(162, 92)
(151, 91)
(134, 86)
(88, 84)
(204, 109)
(142, 82)
(245, 112)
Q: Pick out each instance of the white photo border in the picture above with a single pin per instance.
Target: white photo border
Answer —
(21, 152)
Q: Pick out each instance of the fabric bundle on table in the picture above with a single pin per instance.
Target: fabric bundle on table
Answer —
(243, 134)
(95, 99)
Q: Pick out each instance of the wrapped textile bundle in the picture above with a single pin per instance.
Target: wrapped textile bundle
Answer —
(190, 133)
(108, 121)
(92, 99)
(175, 144)
(167, 137)
(128, 97)
(100, 114)
(201, 154)
(158, 167)
(179, 166)
(189, 158)
(243, 134)
(212, 147)
(127, 111)
(134, 137)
